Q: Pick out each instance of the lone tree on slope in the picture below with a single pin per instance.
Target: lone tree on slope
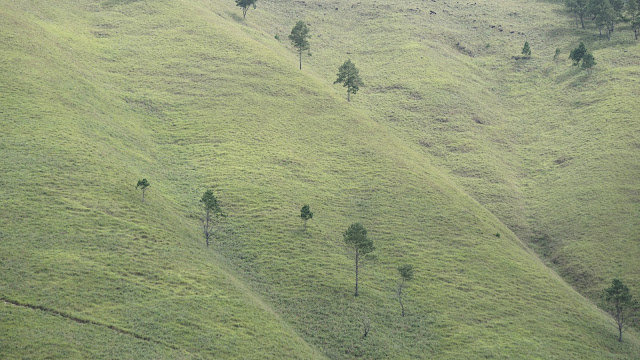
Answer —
(245, 4)
(349, 77)
(306, 214)
(622, 305)
(300, 38)
(526, 50)
(578, 53)
(143, 185)
(356, 238)
(211, 208)
(406, 274)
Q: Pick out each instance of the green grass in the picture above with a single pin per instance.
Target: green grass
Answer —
(98, 95)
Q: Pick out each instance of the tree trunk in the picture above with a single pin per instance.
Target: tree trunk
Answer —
(582, 21)
(244, 13)
(206, 228)
(400, 297)
(348, 95)
(357, 258)
(142, 195)
(300, 59)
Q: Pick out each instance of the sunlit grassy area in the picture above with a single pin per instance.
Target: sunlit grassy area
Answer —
(98, 95)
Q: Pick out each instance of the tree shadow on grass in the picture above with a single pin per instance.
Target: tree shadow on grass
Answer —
(235, 16)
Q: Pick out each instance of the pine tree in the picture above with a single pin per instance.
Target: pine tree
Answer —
(306, 214)
(143, 185)
(349, 77)
(300, 38)
(526, 50)
(356, 238)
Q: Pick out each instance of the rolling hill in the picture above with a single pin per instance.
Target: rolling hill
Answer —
(450, 143)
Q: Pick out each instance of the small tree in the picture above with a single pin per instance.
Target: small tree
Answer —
(306, 214)
(578, 53)
(143, 185)
(556, 55)
(245, 4)
(406, 274)
(349, 77)
(526, 50)
(621, 304)
(356, 238)
(211, 209)
(588, 61)
(300, 38)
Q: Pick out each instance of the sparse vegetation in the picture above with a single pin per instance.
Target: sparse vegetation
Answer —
(208, 100)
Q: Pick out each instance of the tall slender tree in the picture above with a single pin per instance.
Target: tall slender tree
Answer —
(143, 185)
(211, 209)
(349, 77)
(356, 238)
(300, 38)
(406, 274)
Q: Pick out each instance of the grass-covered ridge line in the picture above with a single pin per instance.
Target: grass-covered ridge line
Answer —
(192, 100)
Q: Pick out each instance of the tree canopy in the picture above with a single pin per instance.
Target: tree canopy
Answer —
(245, 4)
(349, 77)
(356, 238)
(300, 38)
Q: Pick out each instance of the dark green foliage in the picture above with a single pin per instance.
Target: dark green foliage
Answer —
(143, 184)
(349, 77)
(588, 61)
(526, 50)
(578, 53)
(356, 238)
(621, 304)
(306, 214)
(245, 4)
(556, 55)
(300, 38)
(211, 208)
(406, 274)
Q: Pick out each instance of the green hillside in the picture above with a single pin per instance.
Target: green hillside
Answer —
(549, 149)
(96, 95)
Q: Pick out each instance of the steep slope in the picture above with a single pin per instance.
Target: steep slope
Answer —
(548, 148)
(99, 95)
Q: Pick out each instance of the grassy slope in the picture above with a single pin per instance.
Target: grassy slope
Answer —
(550, 150)
(191, 100)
